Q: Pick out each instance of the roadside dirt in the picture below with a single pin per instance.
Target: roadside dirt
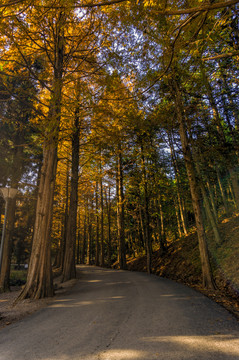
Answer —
(10, 312)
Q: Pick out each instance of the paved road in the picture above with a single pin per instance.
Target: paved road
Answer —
(120, 315)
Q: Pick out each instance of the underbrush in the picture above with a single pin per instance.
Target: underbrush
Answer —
(18, 277)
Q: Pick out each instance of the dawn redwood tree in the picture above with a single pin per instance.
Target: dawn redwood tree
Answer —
(208, 281)
(39, 279)
(62, 54)
(69, 270)
(120, 209)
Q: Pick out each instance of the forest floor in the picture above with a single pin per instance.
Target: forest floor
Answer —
(181, 263)
(11, 312)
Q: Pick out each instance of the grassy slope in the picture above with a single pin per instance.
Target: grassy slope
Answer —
(181, 263)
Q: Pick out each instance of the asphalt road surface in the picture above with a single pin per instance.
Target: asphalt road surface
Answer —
(120, 315)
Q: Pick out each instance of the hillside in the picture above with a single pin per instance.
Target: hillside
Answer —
(181, 263)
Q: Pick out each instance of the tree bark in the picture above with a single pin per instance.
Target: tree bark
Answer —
(108, 206)
(39, 279)
(211, 195)
(120, 211)
(102, 244)
(235, 186)
(7, 247)
(69, 268)
(224, 199)
(176, 171)
(66, 215)
(89, 235)
(83, 250)
(207, 277)
(210, 215)
(163, 241)
(148, 239)
(97, 244)
(78, 241)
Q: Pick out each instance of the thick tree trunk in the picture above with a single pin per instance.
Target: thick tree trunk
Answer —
(69, 269)
(120, 212)
(207, 277)
(39, 279)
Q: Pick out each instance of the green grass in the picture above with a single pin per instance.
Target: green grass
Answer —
(18, 277)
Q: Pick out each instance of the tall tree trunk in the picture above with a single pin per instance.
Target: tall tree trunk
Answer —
(210, 215)
(211, 195)
(221, 135)
(39, 279)
(89, 235)
(69, 268)
(66, 215)
(108, 206)
(7, 249)
(233, 105)
(207, 277)
(120, 211)
(78, 241)
(148, 239)
(142, 227)
(97, 244)
(163, 241)
(83, 250)
(7, 246)
(235, 186)
(176, 171)
(216, 116)
(224, 199)
(102, 245)
(178, 221)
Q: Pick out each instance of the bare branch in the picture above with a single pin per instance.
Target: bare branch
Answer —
(163, 12)
(221, 56)
(199, 8)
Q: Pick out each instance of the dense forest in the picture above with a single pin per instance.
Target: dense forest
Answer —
(119, 128)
